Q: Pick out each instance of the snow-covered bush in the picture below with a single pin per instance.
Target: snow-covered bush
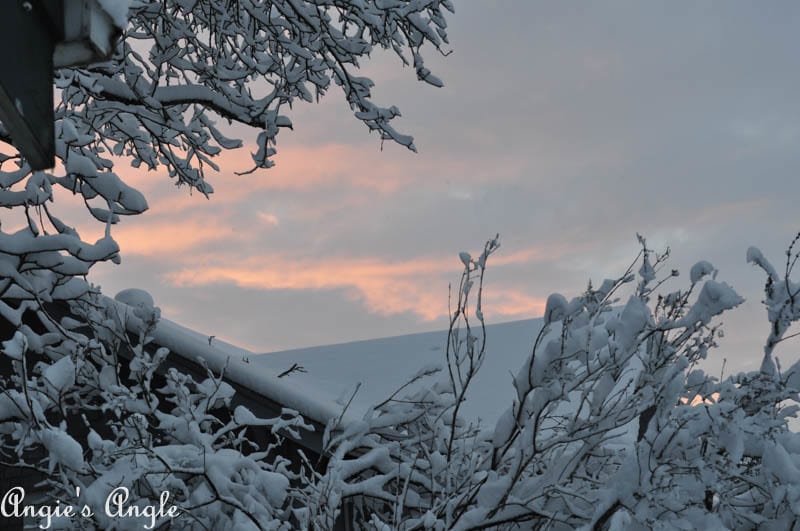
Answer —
(107, 418)
(613, 425)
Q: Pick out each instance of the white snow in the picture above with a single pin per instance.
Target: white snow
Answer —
(556, 308)
(381, 366)
(699, 270)
(60, 375)
(376, 368)
(239, 365)
(117, 10)
(756, 257)
(714, 298)
(135, 297)
(62, 449)
(15, 347)
(12, 404)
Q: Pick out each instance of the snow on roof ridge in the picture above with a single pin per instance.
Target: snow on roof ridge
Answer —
(475, 329)
(261, 380)
(320, 395)
(191, 345)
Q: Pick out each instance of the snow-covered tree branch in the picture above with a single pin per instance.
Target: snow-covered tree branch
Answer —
(182, 67)
(613, 425)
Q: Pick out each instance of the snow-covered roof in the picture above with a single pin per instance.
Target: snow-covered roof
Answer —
(241, 367)
(381, 366)
(331, 373)
(377, 366)
(188, 347)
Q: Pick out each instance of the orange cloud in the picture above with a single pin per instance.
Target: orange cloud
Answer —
(153, 239)
(303, 168)
(384, 287)
(511, 303)
(297, 168)
(269, 219)
(180, 230)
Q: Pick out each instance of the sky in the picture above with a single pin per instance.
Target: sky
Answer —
(564, 127)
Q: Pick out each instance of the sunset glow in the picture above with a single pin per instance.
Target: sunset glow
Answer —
(567, 147)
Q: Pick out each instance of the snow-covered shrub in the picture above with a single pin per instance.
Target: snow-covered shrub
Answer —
(613, 425)
(107, 418)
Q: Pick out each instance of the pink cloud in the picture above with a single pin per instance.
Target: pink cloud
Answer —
(168, 239)
(179, 231)
(269, 219)
(302, 168)
(417, 285)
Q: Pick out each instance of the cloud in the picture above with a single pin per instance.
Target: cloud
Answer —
(171, 239)
(312, 168)
(416, 284)
(269, 219)
(574, 144)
